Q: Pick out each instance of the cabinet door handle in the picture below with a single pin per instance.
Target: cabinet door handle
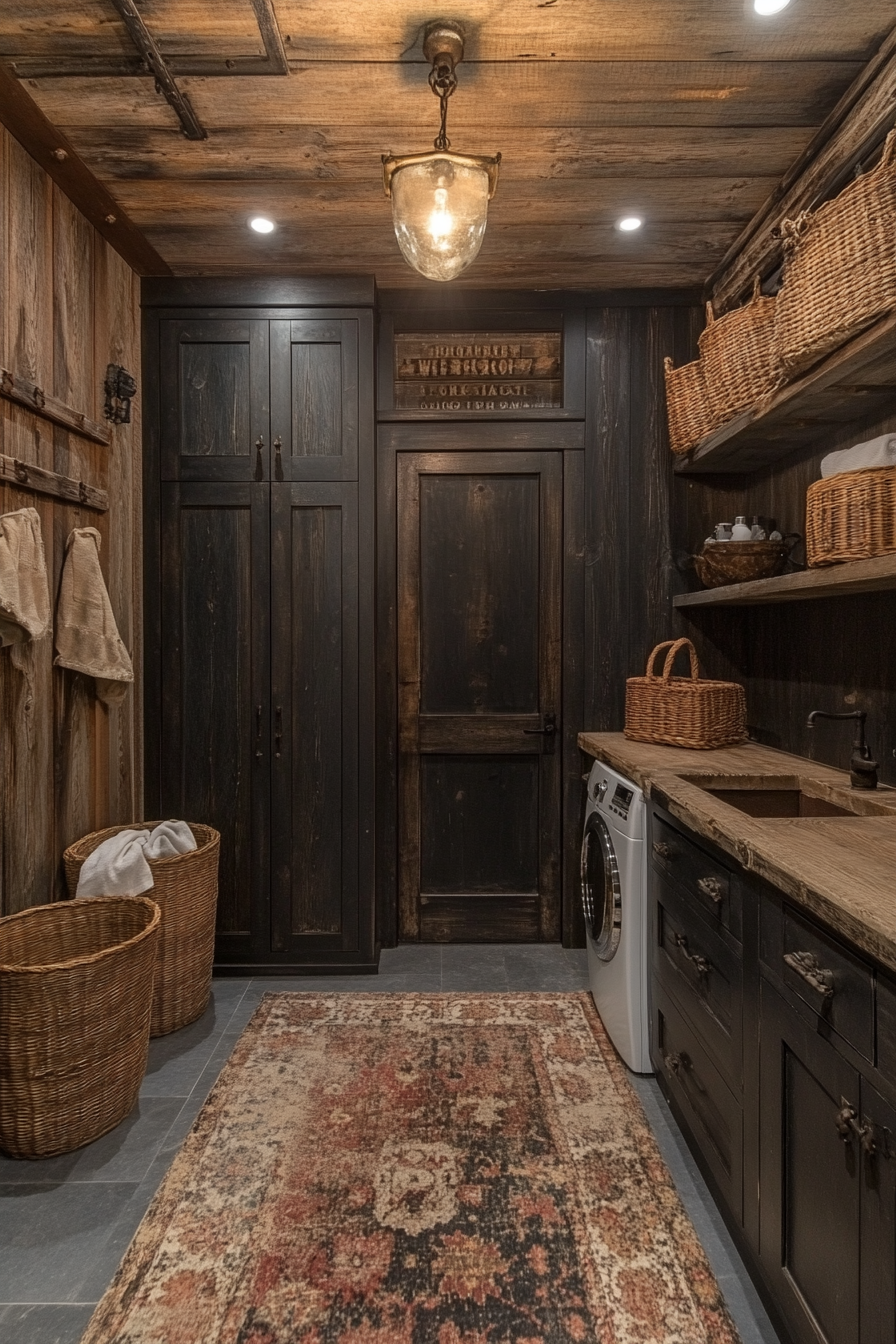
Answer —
(807, 968)
(258, 713)
(662, 850)
(672, 1061)
(259, 461)
(278, 460)
(847, 1122)
(278, 731)
(711, 887)
(699, 963)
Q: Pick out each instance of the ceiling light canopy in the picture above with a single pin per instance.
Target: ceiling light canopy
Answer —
(439, 199)
(261, 225)
(770, 6)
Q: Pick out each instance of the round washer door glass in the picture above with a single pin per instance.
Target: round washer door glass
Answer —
(601, 893)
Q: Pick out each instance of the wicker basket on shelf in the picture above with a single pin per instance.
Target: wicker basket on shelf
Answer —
(687, 405)
(186, 891)
(739, 356)
(839, 267)
(723, 562)
(683, 711)
(75, 1004)
(851, 516)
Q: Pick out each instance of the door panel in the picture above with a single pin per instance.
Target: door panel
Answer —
(214, 728)
(215, 420)
(479, 577)
(314, 399)
(315, 716)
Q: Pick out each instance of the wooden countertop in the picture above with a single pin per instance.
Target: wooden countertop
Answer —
(842, 869)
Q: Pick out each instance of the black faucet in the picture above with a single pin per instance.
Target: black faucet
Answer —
(862, 765)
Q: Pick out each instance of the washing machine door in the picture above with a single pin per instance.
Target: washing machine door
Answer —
(601, 892)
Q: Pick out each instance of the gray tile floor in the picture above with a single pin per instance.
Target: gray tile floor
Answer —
(65, 1223)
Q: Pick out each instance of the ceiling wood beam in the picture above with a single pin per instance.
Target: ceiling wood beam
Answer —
(53, 151)
(155, 62)
(849, 137)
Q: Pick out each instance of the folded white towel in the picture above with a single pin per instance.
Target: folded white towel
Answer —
(879, 452)
(24, 590)
(87, 637)
(118, 867)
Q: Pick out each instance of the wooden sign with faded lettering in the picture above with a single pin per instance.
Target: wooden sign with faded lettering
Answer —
(478, 371)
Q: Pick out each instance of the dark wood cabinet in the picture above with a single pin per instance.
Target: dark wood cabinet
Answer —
(260, 591)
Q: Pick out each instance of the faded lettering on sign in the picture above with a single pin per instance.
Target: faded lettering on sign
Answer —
(478, 371)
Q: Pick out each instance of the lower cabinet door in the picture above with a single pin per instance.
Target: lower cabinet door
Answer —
(826, 1186)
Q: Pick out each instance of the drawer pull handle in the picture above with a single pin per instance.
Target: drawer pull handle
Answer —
(672, 1061)
(711, 887)
(807, 968)
(847, 1122)
(662, 850)
(700, 964)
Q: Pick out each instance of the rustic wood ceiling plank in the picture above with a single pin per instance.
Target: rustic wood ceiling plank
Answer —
(666, 93)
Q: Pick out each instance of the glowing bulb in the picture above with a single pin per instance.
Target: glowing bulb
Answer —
(261, 225)
(440, 223)
(629, 224)
(770, 6)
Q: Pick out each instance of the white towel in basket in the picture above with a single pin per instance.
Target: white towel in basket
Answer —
(879, 452)
(118, 867)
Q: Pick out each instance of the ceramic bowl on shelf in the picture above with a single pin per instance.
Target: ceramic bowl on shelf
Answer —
(724, 562)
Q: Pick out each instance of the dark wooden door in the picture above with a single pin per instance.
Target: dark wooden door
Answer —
(479, 640)
(214, 725)
(215, 393)
(314, 399)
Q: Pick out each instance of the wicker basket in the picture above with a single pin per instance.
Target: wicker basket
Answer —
(739, 356)
(75, 1004)
(722, 562)
(683, 711)
(851, 516)
(687, 404)
(840, 267)
(186, 891)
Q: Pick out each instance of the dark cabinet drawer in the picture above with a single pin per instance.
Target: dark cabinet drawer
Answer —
(704, 973)
(714, 888)
(827, 976)
(706, 1103)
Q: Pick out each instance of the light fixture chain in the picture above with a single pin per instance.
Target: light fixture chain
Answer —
(443, 82)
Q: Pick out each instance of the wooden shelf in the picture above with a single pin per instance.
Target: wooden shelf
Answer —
(859, 576)
(857, 380)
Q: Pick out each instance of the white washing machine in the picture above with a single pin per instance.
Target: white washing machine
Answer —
(614, 894)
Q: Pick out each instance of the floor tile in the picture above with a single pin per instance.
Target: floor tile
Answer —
(177, 1060)
(124, 1154)
(50, 1236)
(44, 1324)
(415, 958)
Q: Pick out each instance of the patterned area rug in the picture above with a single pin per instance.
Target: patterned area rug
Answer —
(417, 1169)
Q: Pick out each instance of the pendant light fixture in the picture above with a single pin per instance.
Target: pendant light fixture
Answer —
(440, 199)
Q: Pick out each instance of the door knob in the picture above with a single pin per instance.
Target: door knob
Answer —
(549, 729)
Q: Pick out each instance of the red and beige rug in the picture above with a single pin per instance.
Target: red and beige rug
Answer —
(417, 1169)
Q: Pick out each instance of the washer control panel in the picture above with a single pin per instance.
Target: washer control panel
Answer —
(621, 801)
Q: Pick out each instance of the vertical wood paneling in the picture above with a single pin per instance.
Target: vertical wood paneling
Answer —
(67, 765)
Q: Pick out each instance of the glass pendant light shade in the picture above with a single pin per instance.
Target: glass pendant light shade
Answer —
(440, 209)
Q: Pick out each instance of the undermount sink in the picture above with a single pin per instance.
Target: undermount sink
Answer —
(790, 796)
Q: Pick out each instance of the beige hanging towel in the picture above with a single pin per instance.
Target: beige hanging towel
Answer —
(87, 638)
(24, 589)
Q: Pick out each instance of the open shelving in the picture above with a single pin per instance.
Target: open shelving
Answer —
(857, 576)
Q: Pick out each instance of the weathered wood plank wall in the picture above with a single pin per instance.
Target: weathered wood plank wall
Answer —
(69, 306)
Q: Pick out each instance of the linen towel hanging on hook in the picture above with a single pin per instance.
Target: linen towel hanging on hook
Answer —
(87, 638)
(24, 589)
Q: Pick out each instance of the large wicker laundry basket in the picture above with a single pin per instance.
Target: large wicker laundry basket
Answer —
(186, 891)
(683, 711)
(75, 1006)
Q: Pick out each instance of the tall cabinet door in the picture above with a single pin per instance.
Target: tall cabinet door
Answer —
(315, 392)
(215, 728)
(318, 669)
(215, 381)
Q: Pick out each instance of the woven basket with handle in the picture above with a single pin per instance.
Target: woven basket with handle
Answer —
(851, 516)
(186, 891)
(839, 267)
(75, 1004)
(687, 405)
(683, 711)
(739, 356)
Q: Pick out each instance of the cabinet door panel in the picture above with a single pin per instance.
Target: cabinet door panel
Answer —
(810, 1178)
(315, 717)
(215, 676)
(315, 406)
(215, 386)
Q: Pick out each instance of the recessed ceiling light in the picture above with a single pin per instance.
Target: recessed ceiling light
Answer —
(261, 225)
(629, 224)
(770, 6)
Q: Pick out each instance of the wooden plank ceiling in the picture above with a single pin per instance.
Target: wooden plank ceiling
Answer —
(686, 112)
